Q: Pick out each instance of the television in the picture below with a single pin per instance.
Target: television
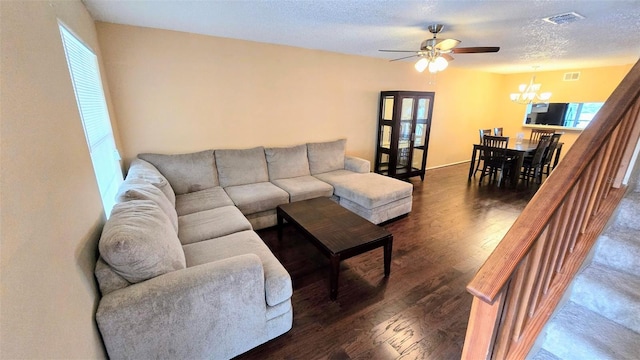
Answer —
(547, 114)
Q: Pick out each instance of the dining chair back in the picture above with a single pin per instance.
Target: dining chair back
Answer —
(497, 131)
(495, 141)
(532, 166)
(496, 164)
(536, 133)
(484, 132)
(549, 153)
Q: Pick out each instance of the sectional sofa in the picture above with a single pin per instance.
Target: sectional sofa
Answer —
(181, 270)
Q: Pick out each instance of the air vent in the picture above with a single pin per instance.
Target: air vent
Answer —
(564, 18)
(571, 76)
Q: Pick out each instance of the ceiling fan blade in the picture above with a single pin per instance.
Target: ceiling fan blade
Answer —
(447, 44)
(447, 56)
(475, 50)
(406, 57)
(412, 51)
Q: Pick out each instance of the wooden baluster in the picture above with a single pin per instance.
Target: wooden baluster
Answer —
(607, 178)
(601, 182)
(594, 174)
(514, 292)
(550, 242)
(634, 119)
(626, 134)
(573, 203)
(533, 271)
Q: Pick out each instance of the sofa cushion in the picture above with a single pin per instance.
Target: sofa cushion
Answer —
(253, 198)
(138, 189)
(186, 172)
(332, 177)
(369, 190)
(240, 167)
(139, 242)
(207, 199)
(289, 162)
(277, 281)
(209, 224)
(140, 169)
(304, 187)
(326, 156)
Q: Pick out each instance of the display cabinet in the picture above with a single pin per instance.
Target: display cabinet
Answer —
(404, 124)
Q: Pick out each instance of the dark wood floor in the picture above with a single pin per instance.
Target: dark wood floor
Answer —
(421, 310)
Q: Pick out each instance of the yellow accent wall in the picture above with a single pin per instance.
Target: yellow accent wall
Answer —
(51, 213)
(594, 85)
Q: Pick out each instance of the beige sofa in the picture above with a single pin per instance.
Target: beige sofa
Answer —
(181, 270)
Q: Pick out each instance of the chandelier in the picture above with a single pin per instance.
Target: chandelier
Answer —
(529, 93)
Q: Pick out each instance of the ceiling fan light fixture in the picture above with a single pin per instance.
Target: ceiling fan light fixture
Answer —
(433, 68)
(441, 63)
(434, 52)
(438, 64)
(422, 64)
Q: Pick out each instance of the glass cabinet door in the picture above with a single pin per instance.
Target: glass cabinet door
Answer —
(403, 162)
(420, 134)
(386, 128)
(386, 134)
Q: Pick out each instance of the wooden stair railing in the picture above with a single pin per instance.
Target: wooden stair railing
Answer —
(523, 280)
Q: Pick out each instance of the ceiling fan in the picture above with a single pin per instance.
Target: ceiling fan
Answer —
(434, 53)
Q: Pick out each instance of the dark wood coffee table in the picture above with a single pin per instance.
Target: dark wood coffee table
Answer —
(337, 232)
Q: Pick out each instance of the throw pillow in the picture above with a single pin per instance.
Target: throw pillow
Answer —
(138, 189)
(140, 169)
(139, 242)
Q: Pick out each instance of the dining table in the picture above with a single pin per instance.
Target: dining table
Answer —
(517, 150)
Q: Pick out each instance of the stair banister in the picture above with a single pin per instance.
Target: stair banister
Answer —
(522, 281)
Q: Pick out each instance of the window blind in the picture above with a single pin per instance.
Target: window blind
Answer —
(87, 85)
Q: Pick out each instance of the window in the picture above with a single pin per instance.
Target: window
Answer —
(87, 85)
(580, 114)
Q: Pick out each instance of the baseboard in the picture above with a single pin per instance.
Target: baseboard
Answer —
(446, 165)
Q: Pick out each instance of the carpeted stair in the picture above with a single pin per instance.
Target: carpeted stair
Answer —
(601, 319)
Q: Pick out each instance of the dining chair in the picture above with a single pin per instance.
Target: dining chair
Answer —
(497, 131)
(536, 133)
(532, 166)
(495, 141)
(483, 132)
(549, 154)
(496, 163)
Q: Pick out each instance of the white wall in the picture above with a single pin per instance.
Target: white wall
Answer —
(51, 213)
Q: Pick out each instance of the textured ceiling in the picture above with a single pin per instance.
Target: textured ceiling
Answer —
(609, 34)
